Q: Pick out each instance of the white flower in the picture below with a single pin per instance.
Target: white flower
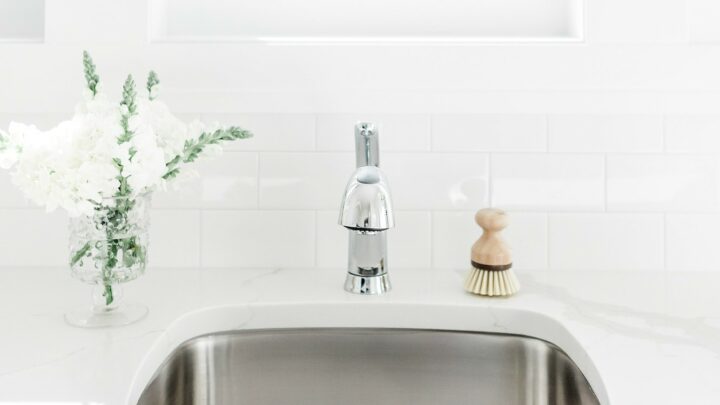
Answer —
(82, 162)
(69, 166)
(98, 105)
(9, 149)
(155, 91)
(147, 166)
(170, 132)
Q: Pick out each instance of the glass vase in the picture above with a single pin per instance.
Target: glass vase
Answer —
(107, 249)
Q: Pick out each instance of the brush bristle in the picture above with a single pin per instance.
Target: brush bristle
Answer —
(492, 283)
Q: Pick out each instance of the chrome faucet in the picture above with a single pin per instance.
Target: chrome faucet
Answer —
(367, 213)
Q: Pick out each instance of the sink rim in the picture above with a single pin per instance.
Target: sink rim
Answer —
(258, 317)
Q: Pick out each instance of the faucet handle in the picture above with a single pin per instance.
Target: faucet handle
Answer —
(366, 203)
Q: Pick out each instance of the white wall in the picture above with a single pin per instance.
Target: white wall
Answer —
(605, 151)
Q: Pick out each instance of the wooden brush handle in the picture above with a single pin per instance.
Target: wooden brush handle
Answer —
(491, 249)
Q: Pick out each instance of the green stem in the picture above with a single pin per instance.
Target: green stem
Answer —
(109, 264)
(117, 216)
(108, 294)
(80, 253)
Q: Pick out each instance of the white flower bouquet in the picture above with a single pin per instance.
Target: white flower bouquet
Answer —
(101, 166)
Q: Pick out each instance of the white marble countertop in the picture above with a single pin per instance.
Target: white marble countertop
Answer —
(640, 338)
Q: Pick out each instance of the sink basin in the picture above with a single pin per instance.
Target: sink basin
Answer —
(367, 366)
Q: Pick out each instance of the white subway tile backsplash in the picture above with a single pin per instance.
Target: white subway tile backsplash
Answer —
(560, 133)
(453, 235)
(484, 133)
(421, 181)
(229, 181)
(398, 132)
(258, 239)
(548, 181)
(663, 182)
(527, 236)
(175, 238)
(606, 241)
(702, 17)
(693, 133)
(232, 214)
(620, 21)
(332, 240)
(455, 232)
(605, 133)
(693, 242)
(304, 180)
(10, 195)
(273, 132)
(409, 243)
(43, 121)
(32, 237)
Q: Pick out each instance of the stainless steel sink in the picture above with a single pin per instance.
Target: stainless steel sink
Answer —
(369, 367)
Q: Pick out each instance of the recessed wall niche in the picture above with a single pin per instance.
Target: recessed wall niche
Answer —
(451, 21)
(22, 20)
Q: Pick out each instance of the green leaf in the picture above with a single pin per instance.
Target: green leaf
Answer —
(194, 147)
(128, 101)
(91, 77)
(152, 81)
(171, 174)
(128, 95)
(174, 161)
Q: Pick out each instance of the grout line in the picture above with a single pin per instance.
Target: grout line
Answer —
(547, 241)
(539, 152)
(432, 239)
(257, 182)
(201, 214)
(664, 134)
(605, 182)
(665, 243)
(547, 133)
(394, 110)
(316, 119)
(315, 227)
(490, 191)
(524, 210)
(431, 131)
(686, 24)
(585, 21)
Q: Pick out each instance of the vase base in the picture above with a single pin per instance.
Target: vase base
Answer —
(87, 317)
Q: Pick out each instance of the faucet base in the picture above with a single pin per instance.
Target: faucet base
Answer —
(374, 285)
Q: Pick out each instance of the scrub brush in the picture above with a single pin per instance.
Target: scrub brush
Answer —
(491, 259)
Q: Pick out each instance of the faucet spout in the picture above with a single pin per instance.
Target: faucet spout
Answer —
(367, 214)
(367, 148)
